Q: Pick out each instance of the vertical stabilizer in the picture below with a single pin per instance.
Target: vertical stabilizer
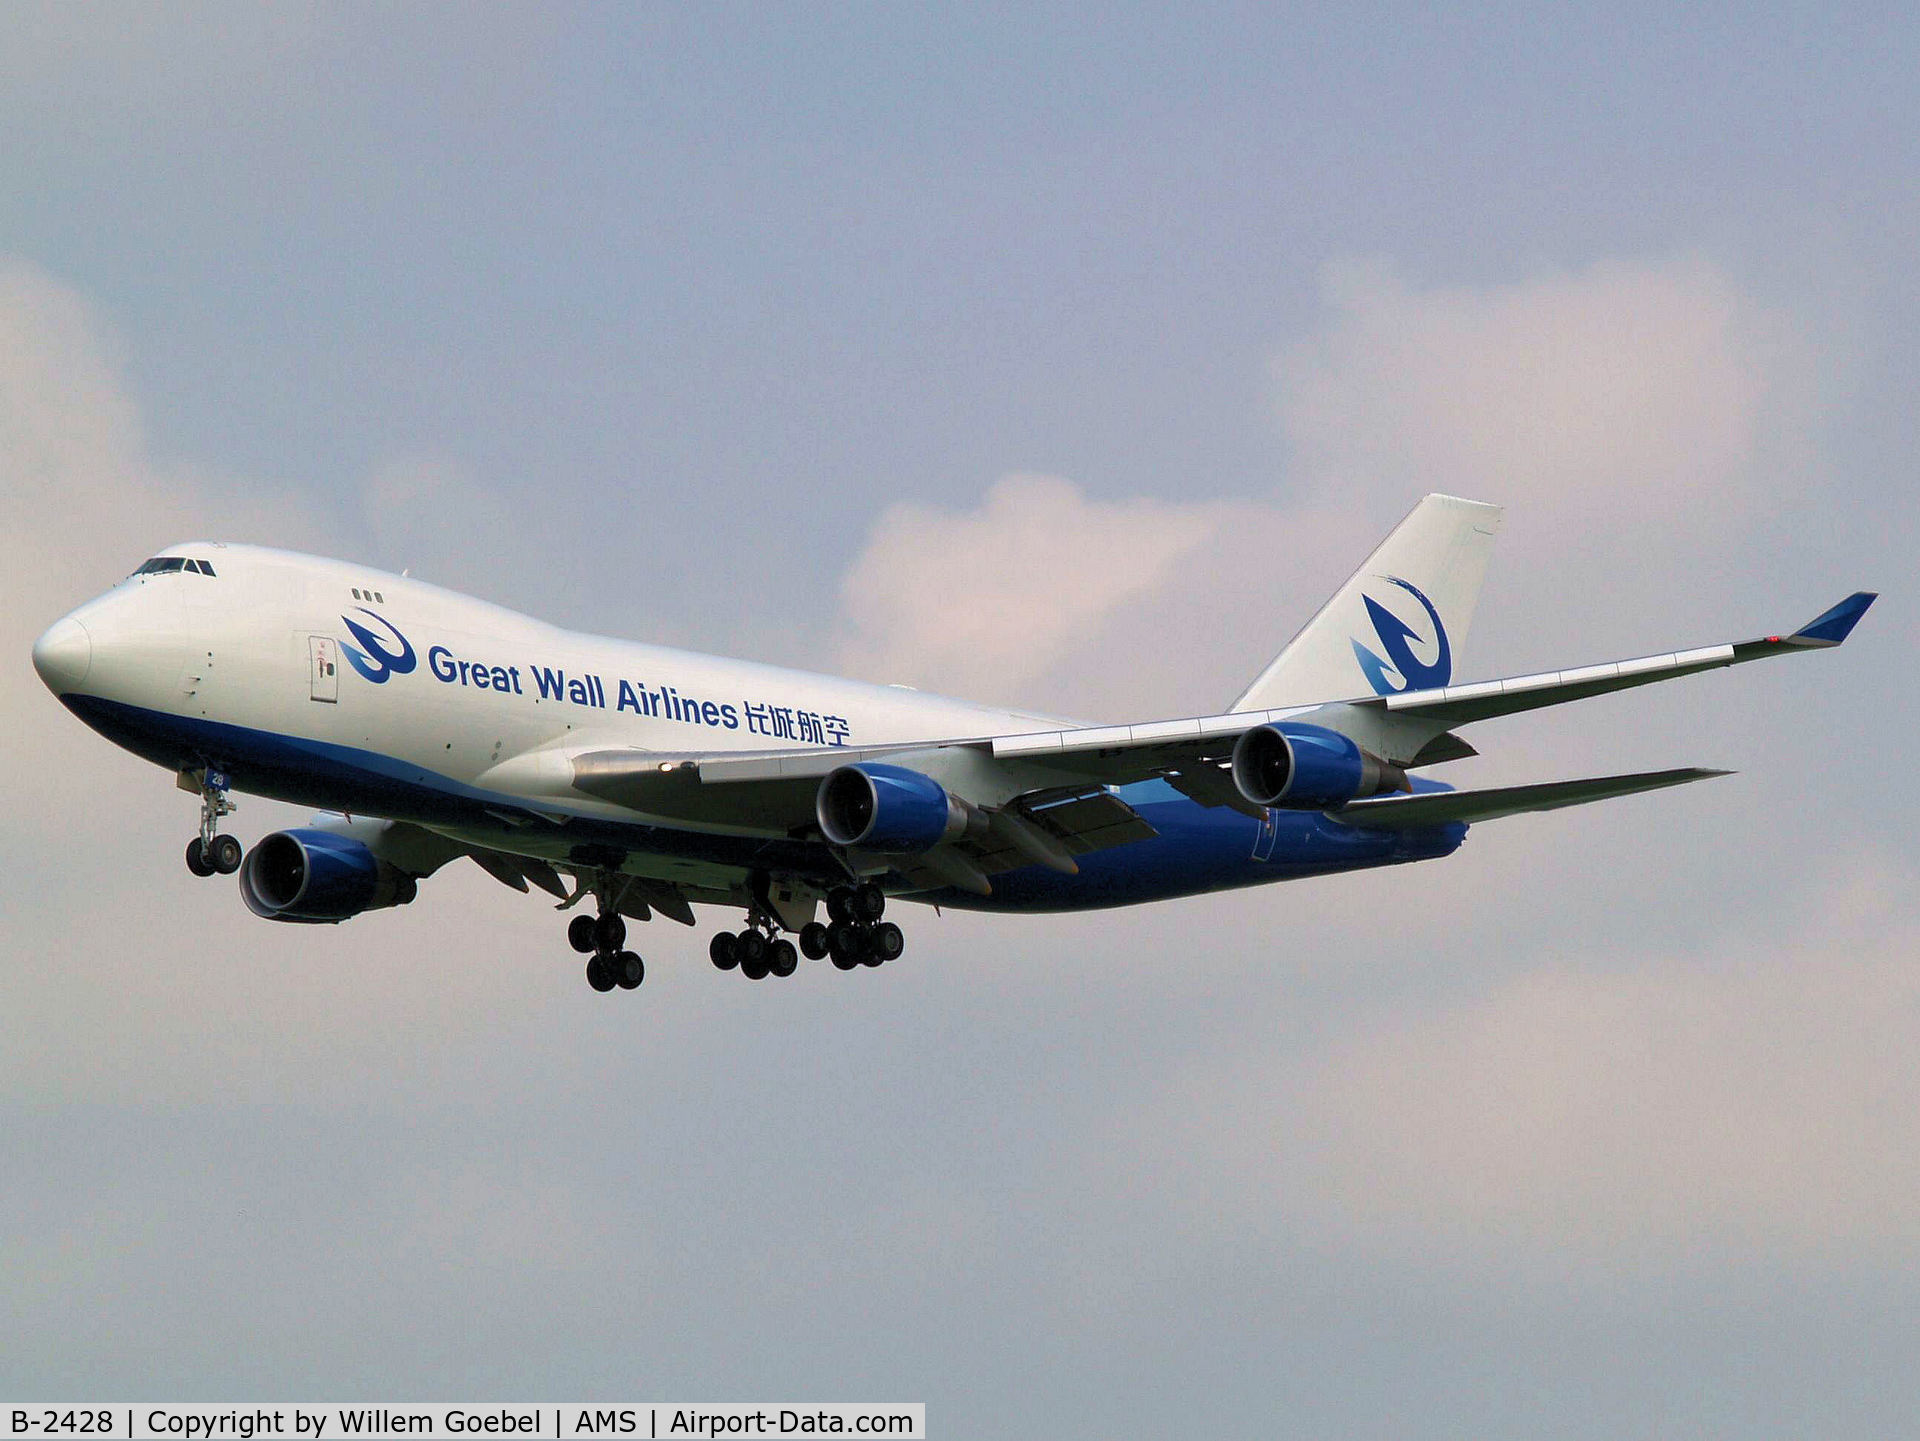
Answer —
(1399, 622)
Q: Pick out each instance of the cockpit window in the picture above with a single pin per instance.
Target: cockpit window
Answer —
(164, 564)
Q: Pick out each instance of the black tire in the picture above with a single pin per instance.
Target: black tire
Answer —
(599, 974)
(580, 934)
(840, 903)
(629, 971)
(757, 969)
(846, 943)
(196, 859)
(750, 946)
(869, 902)
(888, 941)
(782, 959)
(226, 855)
(724, 950)
(813, 941)
(610, 932)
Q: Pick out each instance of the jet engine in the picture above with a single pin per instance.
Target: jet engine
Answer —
(317, 876)
(889, 809)
(1306, 767)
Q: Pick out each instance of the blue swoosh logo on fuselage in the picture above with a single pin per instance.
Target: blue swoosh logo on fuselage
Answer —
(374, 659)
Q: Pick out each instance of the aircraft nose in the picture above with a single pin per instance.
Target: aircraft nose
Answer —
(64, 655)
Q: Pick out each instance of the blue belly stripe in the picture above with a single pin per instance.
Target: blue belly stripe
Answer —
(1197, 848)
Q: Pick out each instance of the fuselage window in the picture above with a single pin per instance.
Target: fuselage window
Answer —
(379, 599)
(356, 593)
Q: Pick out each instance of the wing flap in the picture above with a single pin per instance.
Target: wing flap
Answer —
(1443, 807)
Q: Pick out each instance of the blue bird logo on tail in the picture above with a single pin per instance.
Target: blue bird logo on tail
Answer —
(374, 659)
(1395, 637)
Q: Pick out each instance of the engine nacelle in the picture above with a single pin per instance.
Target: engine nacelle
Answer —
(888, 809)
(317, 876)
(1308, 767)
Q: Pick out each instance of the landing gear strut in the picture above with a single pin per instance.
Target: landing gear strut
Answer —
(210, 853)
(601, 938)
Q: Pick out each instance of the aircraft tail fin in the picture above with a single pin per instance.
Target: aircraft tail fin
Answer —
(1399, 621)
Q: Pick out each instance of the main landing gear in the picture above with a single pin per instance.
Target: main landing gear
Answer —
(756, 952)
(602, 938)
(208, 853)
(856, 936)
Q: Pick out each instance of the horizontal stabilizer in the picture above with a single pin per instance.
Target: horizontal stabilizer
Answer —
(1438, 808)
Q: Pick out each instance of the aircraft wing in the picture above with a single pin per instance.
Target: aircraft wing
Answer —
(1413, 727)
(1457, 705)
(1045, 794)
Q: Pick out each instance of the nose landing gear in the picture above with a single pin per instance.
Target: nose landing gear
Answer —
(209, 853)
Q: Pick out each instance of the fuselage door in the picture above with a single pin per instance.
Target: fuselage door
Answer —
(323, 666)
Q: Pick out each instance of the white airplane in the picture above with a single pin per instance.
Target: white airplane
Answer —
(433, 726)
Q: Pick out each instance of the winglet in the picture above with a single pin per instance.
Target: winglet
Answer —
(1833, 626)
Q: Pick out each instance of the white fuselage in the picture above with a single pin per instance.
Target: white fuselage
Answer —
(461, 690)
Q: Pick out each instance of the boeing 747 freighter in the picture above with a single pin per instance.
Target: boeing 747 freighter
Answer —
(631, 780)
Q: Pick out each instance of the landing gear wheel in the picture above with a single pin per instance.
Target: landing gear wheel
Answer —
(724, 950)
(840, 903)
(197, 861)
(610, 932)
(628, 971)
(813, 940)
(752, 949)
(209, 854)
(846, 943)
(869, 902)
(600, 974)
(580, 934)
(888, 942)
(782, 959)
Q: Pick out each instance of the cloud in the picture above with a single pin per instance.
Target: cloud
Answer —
(82, 502)
(1602, 1108)
(1631, 409)
(1619, 395)
(982, 603)
(90, 837)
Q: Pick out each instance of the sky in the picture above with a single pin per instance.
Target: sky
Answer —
(1057, 357)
